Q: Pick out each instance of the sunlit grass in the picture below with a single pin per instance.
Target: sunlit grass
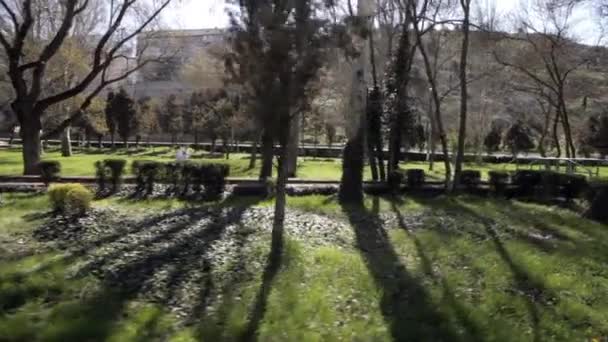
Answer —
(82, 164)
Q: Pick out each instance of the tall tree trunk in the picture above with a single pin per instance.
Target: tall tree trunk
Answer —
(371, 155)
(267, 155)
(66, 142)
(555, 135)
(254, 154)
(462, 131)
(278, 222)
(351, 184)
(544, 133)
(570, 148)
(196, 137)
(292, 145)
(113, 139)
(32, 147)
(99, 143)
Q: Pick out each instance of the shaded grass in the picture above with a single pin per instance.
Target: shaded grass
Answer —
(466, 268)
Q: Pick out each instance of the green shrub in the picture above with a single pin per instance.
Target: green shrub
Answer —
(526, 181)
(498, 181)
(190, 176)
(573, 185)
(70, 199)
(550, 184)
(214, 179)
(101, 176)
(597, 195)
(470, 178)
(146, 174)
(395, 179)
(116, 168)
(172, 176)
(415, 178)
(49, 171)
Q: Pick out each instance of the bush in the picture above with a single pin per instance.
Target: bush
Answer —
(146, 174)
(190, 178)
(214, 179)
(470, 178)
(598, 198)
(550, 182)
(573, 185)
(116, 168)
(526, 181)
(70, 199)
(498, 181)
(395, 179)
(415, 178)
(101, 176)
(172, 175)
(49, 171)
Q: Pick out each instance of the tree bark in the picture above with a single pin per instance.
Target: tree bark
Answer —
(278, 222)
(66, 142)
(267, 155)
(32, 147)
(351, 184)
(254, 154)
(292, 146)
(462, 131)
(556, 136)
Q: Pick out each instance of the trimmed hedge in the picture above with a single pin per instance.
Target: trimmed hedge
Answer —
(526, 181)
(415, 178)
(210, 179)
(499, 181)
(550, 184)
(470, 178)
(116, 168)
(395, 179)
(49, 171)
(573, 186)
(172, 175)
(597, 195)
(147, 173)
(70, 199)
(101, 176)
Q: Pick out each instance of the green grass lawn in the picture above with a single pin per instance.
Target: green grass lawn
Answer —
(461, 269)
(82, 164)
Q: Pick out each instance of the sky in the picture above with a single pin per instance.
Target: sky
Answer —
(194, 14)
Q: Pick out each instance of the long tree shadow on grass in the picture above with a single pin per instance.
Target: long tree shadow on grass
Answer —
(528, 287)
(273, 265)
(405, 304)
(474, 333)
(167, 258)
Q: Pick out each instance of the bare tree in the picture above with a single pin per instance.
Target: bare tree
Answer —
(429, 9)
(550, 57)
(28, 71)
(466, 10)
